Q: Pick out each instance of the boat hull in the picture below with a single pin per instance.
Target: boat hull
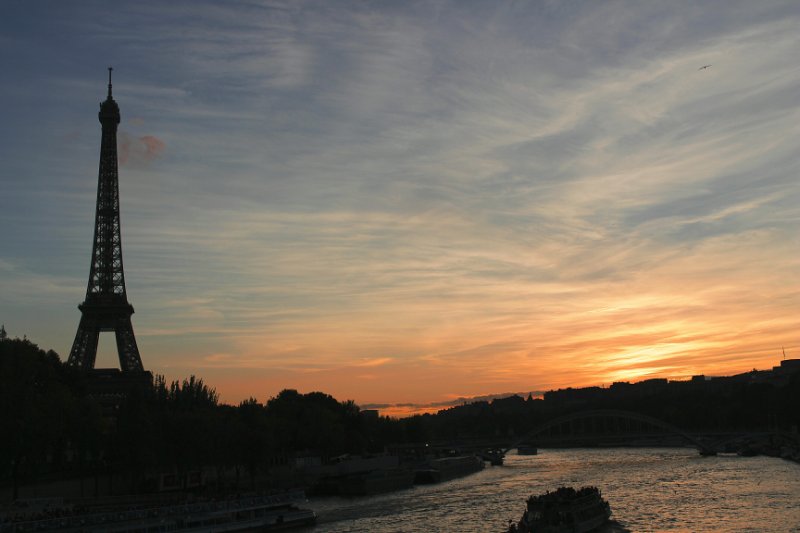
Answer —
(447, 468)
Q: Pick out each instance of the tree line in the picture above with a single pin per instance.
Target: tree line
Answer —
(53, 427)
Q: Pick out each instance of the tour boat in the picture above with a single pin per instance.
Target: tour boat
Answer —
(566, 510)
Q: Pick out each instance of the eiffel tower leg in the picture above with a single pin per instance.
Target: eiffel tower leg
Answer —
(84, 348)
(129, 359)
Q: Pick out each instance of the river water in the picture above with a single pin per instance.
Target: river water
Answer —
(649, 489)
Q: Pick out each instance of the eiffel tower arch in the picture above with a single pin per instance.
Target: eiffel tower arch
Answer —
(106, 306)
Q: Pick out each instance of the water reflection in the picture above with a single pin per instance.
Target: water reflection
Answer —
(648, 489)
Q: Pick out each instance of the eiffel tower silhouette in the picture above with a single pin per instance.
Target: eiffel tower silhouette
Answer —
(106, 306)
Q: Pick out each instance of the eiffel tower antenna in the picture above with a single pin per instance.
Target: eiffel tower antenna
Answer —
(106, 306)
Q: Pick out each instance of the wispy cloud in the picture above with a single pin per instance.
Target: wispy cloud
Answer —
(431, 196)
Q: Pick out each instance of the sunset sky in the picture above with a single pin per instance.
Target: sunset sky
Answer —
(412, 202)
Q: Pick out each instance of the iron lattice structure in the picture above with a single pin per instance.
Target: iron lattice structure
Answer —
(106, 306)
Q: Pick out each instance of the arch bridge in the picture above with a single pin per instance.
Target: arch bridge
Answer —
(605, 425)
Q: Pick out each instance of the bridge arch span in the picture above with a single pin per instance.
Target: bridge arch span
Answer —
(608, 413)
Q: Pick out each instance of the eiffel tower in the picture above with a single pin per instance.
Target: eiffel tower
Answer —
(106, 306)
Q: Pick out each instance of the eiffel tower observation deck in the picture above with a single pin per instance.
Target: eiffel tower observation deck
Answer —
(106, 306)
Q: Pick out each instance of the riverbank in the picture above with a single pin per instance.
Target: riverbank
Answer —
(782, 446)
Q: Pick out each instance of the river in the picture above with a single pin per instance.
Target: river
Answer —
(649, 489)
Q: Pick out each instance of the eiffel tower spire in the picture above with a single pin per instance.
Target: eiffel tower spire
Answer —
(106, 306)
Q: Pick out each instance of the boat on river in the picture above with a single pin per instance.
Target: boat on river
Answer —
(362, 476)
(447, 468)
(566, 510)
(495, 457)
(254, 513)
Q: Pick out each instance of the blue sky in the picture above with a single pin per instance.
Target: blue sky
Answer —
(411, 202)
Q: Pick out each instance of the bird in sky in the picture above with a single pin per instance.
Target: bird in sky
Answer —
(704, 66)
